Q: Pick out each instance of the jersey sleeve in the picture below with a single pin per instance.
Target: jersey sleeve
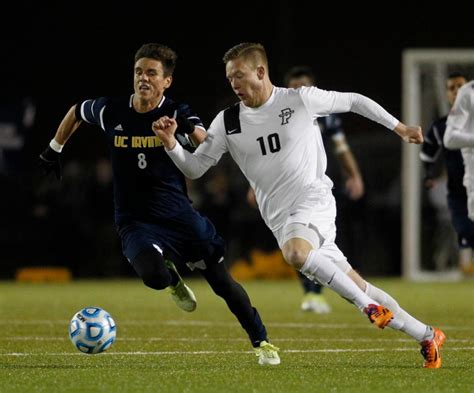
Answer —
(92, 111)
(184, 112)
(324, 102)
(187, 121)
(206, 155)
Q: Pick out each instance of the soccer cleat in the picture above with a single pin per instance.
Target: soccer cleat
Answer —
(379, 315)
(267, 354)
(181, 294)
(315, 302)
(431, 349)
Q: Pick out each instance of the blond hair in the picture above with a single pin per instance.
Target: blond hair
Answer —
(251, 52)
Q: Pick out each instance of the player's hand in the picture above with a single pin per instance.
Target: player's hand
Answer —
(49, 162)
(355, 187)
(409, 134)
(164, 128)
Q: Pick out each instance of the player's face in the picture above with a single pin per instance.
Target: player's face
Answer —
(149, 80)
(452, 87)
(304, 80)
(246, 81)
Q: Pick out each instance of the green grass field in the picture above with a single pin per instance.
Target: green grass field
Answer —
(160, 348)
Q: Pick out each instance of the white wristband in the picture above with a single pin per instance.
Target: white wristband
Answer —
(57, 147)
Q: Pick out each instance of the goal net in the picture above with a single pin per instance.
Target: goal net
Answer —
(424, 72)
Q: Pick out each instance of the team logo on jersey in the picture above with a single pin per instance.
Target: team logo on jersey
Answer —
(236, 130)
(286, 115)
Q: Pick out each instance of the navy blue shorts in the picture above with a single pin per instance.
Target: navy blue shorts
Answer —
(188, 237)
(462, 224)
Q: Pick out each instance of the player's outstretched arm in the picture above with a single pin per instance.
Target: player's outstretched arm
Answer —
(409, 134)
(192, 165)
(49, 159)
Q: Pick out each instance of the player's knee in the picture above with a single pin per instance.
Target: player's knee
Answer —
(295, 256)
(157, 283)
(150, 267)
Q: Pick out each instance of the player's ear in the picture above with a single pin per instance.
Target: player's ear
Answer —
(168, 81)
(261, 71)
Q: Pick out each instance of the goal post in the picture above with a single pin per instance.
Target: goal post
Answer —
(424, 72)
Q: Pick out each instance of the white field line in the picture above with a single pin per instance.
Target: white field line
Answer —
(192, 339)
(168, 353)
(296, 325)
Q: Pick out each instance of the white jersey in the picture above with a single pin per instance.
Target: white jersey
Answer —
(460, 135)
(279, 146)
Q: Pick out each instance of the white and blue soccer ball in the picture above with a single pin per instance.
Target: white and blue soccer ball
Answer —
(92, 330)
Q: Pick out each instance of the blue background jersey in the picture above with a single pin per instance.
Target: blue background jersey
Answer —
(431, 149)
(147, 185)
(330, 125)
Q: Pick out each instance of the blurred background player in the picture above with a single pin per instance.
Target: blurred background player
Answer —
(459, 134)
(432, 152)
(347, 196)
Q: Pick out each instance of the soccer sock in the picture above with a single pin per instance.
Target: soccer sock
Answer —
(237, 300)
(309, 286)
(320, 267)
(401, 319)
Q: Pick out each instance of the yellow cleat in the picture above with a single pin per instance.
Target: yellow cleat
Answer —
(181, 294)
(267, 354)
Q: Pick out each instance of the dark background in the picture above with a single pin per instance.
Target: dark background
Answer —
(57, 53)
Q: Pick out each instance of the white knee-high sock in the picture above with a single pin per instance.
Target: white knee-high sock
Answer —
(401, 319)
(320, 267)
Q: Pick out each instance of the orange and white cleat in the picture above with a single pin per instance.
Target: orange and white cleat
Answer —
(379, 315)
(431, 349)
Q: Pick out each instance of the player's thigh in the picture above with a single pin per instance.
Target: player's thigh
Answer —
(199, 243)
(299, 239)
(137, 237)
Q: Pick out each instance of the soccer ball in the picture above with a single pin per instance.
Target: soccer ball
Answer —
(92, 330)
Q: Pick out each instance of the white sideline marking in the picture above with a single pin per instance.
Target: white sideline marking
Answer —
(219, 352)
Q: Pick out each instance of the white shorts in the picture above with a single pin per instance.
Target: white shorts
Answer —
(314, 221)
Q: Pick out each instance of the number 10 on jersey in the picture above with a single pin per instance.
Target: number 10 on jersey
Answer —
(273, 143)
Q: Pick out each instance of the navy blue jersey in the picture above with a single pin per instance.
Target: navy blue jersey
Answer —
(431, 150)
(147, 185)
